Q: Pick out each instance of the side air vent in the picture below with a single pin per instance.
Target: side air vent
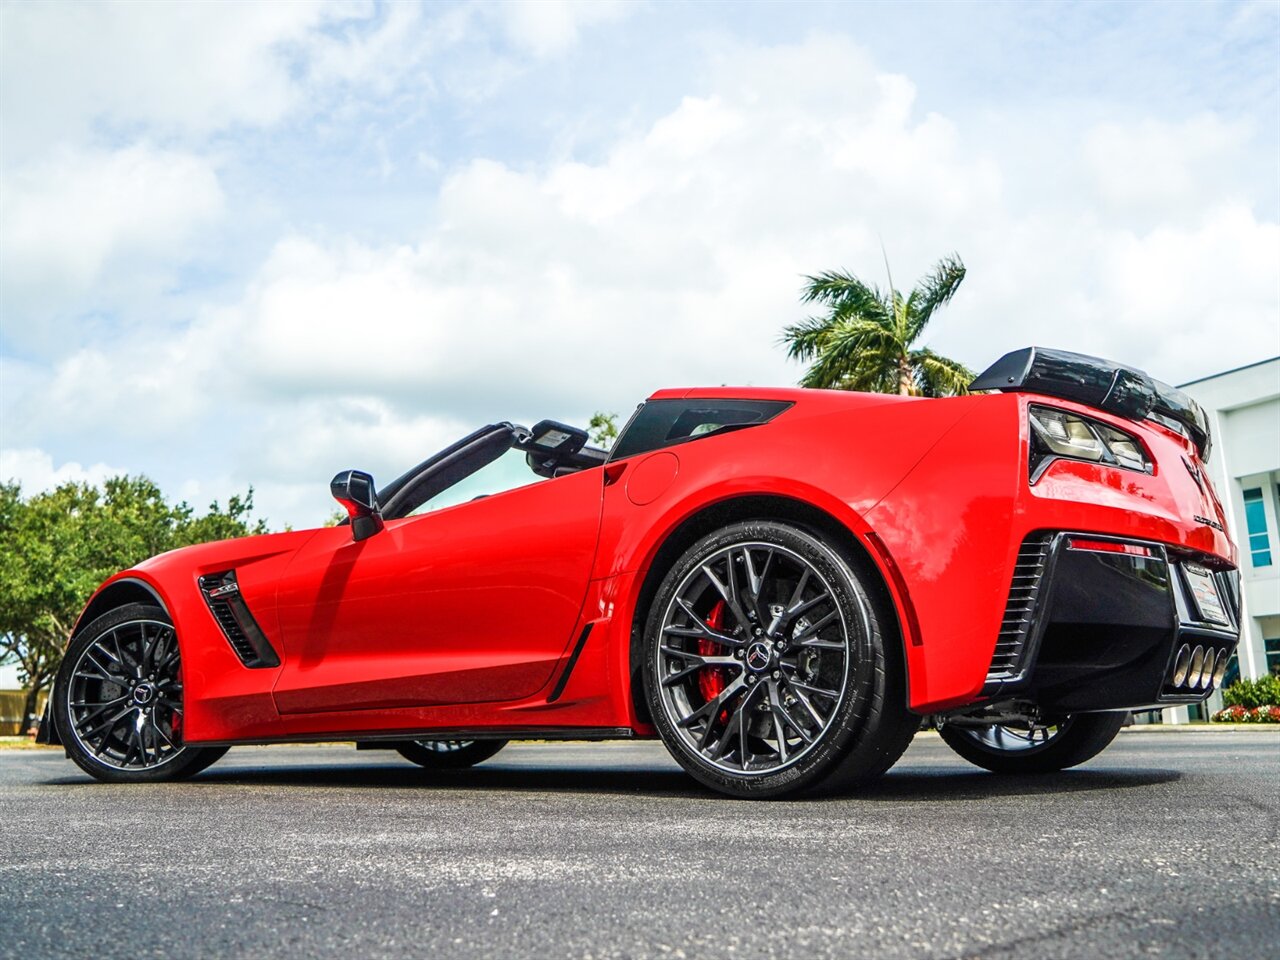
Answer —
(1015, 629)
(222, 593)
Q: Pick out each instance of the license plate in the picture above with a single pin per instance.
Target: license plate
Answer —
(1205, 591)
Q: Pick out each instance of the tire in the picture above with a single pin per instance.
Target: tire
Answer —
(117, 700)
(1073, 740)
(449, 754)
(738, 614)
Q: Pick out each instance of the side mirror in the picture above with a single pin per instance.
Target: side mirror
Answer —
(355, 491)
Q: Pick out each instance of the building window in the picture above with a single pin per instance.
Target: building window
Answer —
(1272, 646)
(1255, 521)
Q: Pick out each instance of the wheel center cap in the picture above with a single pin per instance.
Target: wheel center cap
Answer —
(143, 693)
(759, 655)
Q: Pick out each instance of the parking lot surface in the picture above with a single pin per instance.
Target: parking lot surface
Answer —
(1166, 845)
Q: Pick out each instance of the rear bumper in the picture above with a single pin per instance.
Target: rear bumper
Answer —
(1098, 623)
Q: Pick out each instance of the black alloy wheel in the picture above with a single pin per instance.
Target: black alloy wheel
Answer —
(1044, 747)
(117, 700)
(449, 754)
(773, 665)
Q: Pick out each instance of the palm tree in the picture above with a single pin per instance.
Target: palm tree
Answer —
(866, 340)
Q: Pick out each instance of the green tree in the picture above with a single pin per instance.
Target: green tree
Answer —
(57, 546)
(603, 429)
(867, 338)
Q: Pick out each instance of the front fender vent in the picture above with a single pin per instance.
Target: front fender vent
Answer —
(1019, 612)
(222, 594)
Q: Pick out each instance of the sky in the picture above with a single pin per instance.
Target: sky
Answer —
(251, 245)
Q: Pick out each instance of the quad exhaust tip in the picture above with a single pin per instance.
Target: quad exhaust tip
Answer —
(1199, 667)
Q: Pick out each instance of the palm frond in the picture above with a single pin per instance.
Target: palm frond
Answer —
(933, 292)
(854, 355)
(939, 376)
(804, 340)
(845, 292)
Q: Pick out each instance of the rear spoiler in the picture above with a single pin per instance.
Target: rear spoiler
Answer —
(1108, 386)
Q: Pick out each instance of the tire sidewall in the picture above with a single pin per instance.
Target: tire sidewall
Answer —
(188, 761)
(475, 752)
(863, 664)
(1081, 737)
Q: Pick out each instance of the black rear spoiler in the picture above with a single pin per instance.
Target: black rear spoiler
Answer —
(1108, 386)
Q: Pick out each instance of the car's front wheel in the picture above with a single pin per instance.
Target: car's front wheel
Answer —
(117, 700)
(449, 754)
(773, 666)
(1039, 748)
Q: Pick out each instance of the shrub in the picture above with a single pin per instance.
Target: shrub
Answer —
(1238, 714)
(1263, 692)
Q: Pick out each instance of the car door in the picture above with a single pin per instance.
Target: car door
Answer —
(470, 603)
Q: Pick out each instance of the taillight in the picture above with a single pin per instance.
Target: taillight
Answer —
(1057, 434)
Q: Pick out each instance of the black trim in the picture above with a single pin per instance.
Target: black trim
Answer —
(1101, 629)
(1021, 627)
(221, 592)
(440, 472)
(117, 594)
(568, 667)
(47, 733)
(658, 424)
(419, 733)
(1120, 390)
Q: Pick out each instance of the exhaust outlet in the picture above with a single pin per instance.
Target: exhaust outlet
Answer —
(1197, 664)
(1181, 665)
(1221, 669)
(1206, 673)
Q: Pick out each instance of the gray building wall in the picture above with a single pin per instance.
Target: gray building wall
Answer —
(1244, 411)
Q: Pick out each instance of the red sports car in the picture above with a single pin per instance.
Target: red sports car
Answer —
(778, 583)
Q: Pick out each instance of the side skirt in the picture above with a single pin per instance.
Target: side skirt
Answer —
(487, 733)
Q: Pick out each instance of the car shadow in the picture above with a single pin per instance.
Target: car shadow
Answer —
(912, 784)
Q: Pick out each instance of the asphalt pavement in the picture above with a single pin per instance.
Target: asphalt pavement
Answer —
(1164, 846)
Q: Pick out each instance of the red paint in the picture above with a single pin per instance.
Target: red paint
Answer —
(464, 618)
(652, 477)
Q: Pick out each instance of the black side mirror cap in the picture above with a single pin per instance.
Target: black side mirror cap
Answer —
(354, 489)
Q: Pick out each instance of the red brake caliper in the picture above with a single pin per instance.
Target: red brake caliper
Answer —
(713, 680)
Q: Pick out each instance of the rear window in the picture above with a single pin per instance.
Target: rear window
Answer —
(664, 423)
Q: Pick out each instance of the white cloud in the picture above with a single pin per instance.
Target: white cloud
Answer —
(35, 471)
(66, 222)
(1164, 169)
(674, 256)
(185, 67)
(546, 28)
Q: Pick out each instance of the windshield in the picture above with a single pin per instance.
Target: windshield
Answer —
(508, 472)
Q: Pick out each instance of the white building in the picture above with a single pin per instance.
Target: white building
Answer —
(1244, 414)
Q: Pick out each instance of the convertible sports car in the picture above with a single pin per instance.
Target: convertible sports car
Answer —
(778, 583)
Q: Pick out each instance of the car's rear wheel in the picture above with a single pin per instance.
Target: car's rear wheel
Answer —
(449, 754)
(117, 700)
(1039, 748)
(772, 664)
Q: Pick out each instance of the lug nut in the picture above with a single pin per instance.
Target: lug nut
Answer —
(777, 674)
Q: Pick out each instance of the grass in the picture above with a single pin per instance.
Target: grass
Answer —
(23, 743)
